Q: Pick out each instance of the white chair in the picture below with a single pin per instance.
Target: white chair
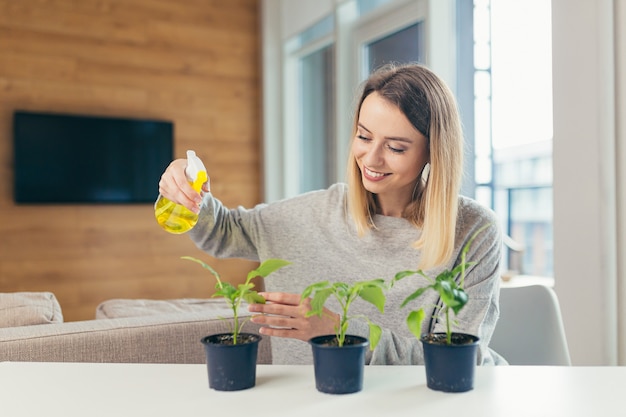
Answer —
(530, 329)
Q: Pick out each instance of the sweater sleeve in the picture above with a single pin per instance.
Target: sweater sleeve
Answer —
(226, 233)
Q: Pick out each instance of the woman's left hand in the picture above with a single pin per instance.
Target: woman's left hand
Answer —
(284, 315)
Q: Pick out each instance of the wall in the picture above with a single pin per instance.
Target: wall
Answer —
(589, 181)
(194, 62)
(620, 130)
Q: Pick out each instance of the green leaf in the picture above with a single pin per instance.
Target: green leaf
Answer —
(375, 334)
(375, 296)
(306, 293)
(403, 274)
(318, 301)
(461, 299)
(342, 290)
(414, 322)
(267, 267)
(253, 297)
(226, 291)
(243, 288)
(445, 276)
(416, 294)
(378, 282)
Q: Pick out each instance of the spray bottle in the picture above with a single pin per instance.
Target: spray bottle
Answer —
(176, 218)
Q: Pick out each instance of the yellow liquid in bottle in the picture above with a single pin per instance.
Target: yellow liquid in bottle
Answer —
(176, 218)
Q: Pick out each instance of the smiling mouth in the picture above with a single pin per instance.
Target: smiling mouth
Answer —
(373, 174)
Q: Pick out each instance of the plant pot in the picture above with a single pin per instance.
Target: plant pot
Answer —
(339, 370)
(231, 367)
(450, 368)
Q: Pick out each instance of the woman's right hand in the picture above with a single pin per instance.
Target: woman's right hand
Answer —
(175, 187)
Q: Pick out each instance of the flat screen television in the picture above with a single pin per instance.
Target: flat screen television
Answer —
(67, 158)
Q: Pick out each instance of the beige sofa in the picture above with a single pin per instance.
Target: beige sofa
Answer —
(136, 331)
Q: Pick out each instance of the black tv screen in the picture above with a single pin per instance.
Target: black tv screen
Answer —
(65, 158)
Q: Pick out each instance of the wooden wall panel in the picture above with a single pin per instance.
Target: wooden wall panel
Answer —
(195, 62)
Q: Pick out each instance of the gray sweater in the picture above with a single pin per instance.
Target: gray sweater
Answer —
(314, 232)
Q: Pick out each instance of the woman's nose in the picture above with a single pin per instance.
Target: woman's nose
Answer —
(373, 156)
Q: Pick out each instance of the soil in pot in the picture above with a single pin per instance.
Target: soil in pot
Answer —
(455, 338)
(231, 367)
(339, 370)
(450, 368)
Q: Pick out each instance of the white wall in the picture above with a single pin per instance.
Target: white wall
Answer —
(585, 193)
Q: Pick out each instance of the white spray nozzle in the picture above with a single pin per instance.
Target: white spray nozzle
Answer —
(194, 166)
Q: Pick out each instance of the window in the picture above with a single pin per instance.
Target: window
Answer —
(404, 45)
(513, 125)
(317, 133)
(310, 108)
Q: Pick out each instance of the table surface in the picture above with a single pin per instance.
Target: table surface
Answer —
(86, 389)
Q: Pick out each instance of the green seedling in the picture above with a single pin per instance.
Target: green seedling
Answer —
(243, 292)
(371, 291)
(451, 292)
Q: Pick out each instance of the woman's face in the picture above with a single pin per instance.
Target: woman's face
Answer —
(390, 152)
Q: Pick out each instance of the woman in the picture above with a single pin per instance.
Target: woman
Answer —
(399, 210)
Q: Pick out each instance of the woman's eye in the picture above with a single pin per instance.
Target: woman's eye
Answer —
(395, 150)
(362, 137)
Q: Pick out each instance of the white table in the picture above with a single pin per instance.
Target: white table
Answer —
(80, 389)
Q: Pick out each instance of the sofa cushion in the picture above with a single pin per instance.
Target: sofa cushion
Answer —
(119, 308)
(165, 338)
(28, 308)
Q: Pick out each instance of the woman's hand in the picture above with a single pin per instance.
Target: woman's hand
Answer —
(175, 187)
(284, 316)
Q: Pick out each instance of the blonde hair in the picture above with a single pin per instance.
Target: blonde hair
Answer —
(430, 106)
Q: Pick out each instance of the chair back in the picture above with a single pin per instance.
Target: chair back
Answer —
(530, 329)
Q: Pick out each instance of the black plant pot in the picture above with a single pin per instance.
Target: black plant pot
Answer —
(450, 368)
(231, 367)
(339, 370)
